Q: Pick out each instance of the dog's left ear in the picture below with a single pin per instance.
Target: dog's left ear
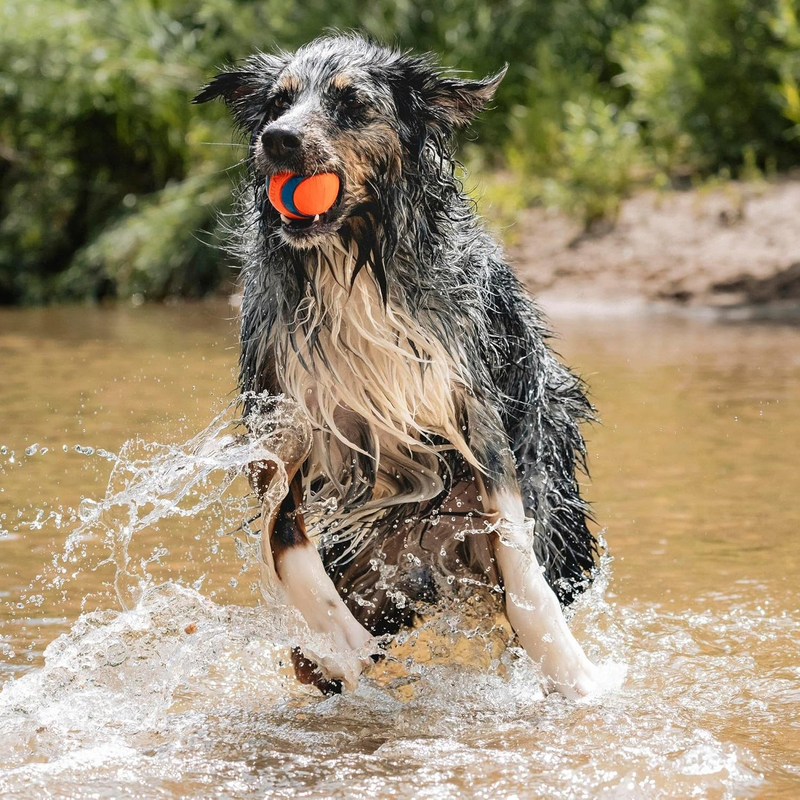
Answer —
(457, 102)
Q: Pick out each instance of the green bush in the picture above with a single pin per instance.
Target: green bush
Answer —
(704, 80)
(111, 183)
(785, 57)
(591, 163)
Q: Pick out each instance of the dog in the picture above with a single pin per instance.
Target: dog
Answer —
(417, 360)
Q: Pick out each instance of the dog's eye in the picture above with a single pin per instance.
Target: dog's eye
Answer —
(351, 103)
(278, 106)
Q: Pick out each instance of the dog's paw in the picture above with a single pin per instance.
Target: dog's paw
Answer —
(343, 666)
(592, 682)
(342, 648)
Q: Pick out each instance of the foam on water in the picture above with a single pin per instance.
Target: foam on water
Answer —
(129, 702)
(174, 693)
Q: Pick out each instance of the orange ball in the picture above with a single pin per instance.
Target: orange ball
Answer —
(300, 198)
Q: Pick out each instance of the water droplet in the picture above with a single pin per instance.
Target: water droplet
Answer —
(32, 450)
(88, 510)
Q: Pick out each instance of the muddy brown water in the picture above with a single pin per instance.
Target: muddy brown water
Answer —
(187, 692)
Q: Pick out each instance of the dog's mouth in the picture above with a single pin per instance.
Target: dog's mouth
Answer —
(298, 230)
(304, 227)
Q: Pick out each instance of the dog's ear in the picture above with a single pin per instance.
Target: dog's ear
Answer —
(429, 103)
(239, 88)
(230, 86)
(456, 102)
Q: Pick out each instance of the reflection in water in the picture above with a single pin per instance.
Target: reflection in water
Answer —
(188, 691)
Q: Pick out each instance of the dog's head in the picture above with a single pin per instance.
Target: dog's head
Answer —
(345, 105)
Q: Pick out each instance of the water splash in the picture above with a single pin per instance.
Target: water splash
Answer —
(181, 691)
(173, 691)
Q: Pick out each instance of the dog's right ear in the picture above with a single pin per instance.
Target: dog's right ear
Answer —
(240, 88)
(230, 86)
(236, 89)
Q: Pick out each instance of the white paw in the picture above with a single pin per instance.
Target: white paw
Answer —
(591, 682)
(339, 660)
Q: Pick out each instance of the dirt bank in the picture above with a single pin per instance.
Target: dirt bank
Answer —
(734, 248)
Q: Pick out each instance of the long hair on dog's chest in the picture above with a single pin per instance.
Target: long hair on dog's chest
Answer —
(383, 393)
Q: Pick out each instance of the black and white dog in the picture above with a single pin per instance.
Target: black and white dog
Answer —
(414, 354)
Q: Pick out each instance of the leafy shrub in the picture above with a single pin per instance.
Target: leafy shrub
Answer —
(110, 182)
(593, 161)
(785, 56)
(703, 79)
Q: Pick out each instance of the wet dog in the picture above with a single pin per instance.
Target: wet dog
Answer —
(415, 356)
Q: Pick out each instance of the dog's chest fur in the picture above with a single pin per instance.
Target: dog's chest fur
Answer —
(354, 364)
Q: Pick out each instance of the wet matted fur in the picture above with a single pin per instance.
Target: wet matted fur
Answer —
(396, 324)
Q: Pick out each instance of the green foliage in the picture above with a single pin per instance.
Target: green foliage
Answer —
(93, 116)
(703, 78)
(591, 159)
(129, 256)
(111, 184)
(785, 57)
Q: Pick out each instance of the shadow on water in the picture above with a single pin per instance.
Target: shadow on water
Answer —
(165, 673)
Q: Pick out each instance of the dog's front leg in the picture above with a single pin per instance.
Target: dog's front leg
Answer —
(531, 605)
(293, 562)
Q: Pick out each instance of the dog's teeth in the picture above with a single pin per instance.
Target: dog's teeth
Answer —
(284, 219)
(316, 218)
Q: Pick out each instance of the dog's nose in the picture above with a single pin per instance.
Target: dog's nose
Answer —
(280, 142)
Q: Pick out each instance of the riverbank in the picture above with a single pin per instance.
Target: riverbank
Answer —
(733, 249)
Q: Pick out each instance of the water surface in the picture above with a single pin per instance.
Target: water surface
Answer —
(187, 691)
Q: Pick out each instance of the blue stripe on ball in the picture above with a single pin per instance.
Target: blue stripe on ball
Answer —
(287, 195)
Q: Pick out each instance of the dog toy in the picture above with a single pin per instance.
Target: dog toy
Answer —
(297, 197)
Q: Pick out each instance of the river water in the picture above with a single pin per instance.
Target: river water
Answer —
(138, 659)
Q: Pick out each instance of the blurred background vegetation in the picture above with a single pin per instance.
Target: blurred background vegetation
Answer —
(111, 184)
